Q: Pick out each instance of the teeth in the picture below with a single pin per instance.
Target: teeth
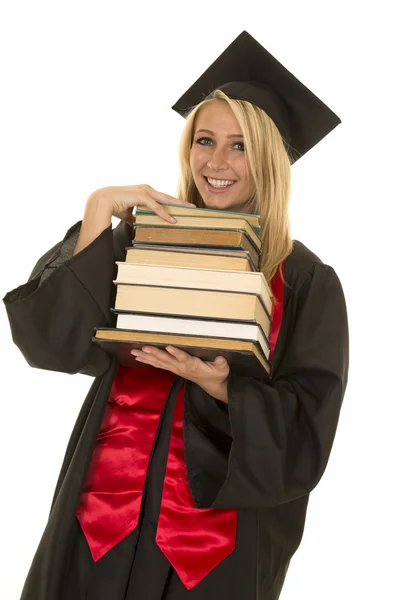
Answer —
(219, 183)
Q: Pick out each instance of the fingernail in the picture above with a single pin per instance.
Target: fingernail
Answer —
(172, 220)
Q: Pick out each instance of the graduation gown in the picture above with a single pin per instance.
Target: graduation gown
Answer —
(262, 453)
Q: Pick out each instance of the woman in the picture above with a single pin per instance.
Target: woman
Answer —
(219, 512)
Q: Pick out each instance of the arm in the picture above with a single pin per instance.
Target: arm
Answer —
(282, 431)
(69, 292)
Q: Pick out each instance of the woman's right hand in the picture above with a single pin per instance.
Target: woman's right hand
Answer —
(120, 201)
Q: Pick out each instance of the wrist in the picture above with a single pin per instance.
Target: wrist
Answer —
(99, 206)
(218, 390)
(97, 218)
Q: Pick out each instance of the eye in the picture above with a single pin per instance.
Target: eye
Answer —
(203, 141)
(239, 146)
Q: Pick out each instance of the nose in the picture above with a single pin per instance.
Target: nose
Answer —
(217, 161)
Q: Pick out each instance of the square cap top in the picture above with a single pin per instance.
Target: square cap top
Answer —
(247, 71)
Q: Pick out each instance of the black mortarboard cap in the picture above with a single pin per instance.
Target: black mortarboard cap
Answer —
(246, 71)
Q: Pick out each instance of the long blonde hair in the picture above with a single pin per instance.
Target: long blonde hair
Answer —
(268, 159)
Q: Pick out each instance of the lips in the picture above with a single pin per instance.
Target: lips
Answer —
(225, 184)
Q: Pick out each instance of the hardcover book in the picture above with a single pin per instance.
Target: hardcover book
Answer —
(211, 238)
(244, 357)
(175, 301)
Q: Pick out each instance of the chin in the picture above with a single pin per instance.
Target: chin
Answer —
(223, 204)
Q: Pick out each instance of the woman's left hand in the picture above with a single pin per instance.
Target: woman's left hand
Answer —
(204, 373)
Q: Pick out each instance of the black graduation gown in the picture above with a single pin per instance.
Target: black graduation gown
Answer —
(262, 453)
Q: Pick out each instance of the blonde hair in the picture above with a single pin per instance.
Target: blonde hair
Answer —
(268, 159)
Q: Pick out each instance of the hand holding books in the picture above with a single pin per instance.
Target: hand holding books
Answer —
(211, 376)
(121, 200)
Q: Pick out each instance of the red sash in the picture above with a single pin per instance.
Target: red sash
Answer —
(194, 540)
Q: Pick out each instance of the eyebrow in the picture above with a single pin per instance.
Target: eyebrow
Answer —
(234, 135)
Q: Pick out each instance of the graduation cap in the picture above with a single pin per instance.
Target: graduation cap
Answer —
(247, 71)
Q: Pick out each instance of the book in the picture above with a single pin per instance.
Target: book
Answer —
(194, 327)
(195, 278)
(210, 238)
(244, 357)
(197, 250)
(179, 210)
(189, 257)
(152, 220)
(228, 306)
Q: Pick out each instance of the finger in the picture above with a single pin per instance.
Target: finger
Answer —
(179, 354)
(148, 360)
(146, 357)
(220, 361)
(157, 208)
(158, 354)
(154, 354)
(141, 196)
(147, 354)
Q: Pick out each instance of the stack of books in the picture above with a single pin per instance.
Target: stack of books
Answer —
(194, 285)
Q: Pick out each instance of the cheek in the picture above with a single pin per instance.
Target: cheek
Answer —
(193, 160)
(247, 181)
(243, 172)
(196, 162)
(191, 163)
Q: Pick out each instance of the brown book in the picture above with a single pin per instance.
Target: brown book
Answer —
(193, 222)
(196, 237)
(195, 278)
(179, 210)
(228, 306)
(210, 251)
(182, 257)
(244, 357)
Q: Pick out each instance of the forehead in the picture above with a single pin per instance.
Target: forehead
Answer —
(218, 117)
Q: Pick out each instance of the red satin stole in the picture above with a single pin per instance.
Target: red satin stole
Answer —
(111, 498)
(194, 540)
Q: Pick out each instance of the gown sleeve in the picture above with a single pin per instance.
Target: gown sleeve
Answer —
(283, 430)
(53, 315)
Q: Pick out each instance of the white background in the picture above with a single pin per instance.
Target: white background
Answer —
(86, 90)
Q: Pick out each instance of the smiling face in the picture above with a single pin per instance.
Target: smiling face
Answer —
(217, 159)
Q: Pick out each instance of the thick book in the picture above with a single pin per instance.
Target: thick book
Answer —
(244, 357)
(194, 327)
(206, 304)
(182, 257)
(236, 224)
(229, 251)
(177, 210)
(211, 238)
(195, 278)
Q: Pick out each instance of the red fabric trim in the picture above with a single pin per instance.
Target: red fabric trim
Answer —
(193, 539)
(278, 289)
(110, 502)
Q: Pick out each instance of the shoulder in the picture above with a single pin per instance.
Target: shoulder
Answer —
(303, 265)
(302, 258)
